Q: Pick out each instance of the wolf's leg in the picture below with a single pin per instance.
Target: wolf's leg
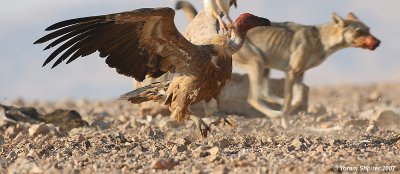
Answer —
(267, 94)
(255, 71)
(298, 94)
(290, 80)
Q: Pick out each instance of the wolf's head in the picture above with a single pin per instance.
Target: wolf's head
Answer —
(355, 33)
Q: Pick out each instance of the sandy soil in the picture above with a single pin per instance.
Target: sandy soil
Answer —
(347, 128)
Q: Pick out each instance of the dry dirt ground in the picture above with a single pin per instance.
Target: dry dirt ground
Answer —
(346, 129)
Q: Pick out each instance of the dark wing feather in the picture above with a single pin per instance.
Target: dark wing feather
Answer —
(136, 43)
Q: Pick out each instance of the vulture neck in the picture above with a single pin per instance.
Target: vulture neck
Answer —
(235, 41)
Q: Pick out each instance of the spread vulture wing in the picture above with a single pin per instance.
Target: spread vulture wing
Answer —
(136, 43)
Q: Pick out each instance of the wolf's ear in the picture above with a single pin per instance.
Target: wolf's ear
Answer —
(338, 20)
(352, 16)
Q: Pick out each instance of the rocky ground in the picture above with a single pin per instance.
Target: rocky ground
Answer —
(346, 128)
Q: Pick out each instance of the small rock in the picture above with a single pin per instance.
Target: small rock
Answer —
(19, 137)
(291, 148)
(53, 129)
(374, 96)
(123, 118)
(366, 114)
(67, 119)
(2, 141)
(300, 144)
(79, 138)
(213, 154)
(320, 148)
(224, 143)
(38, 129)
(164, 164)
(146, 131)
(197, 169)
(178, 148)
(183, 141)
(372, 128)
(127, 125)
(334, 142)
(220, 170)
(357, 123)
(32, 154)
(68, 151)
(11, 156)
(100, 124)
(386, 119)
(201, 151)
(317, 110)
(86, 144)
(11, 132)
(241, 163)
(168, 123)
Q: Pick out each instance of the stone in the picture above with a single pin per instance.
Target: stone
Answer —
(178, 148)
(2, 141)
(11, 132)
(320, 148)
(38, 129)
(317, 110)
(366, 114)
(224, 143)
(101, 124)
(183, 141)
(32, 154)
(200, 151)
(372, 128)
(300, 144)
(79, 138)
(386, 119)
(222, 169)
(213, 154)
(11, 156)
(374, 96)
(164, 164)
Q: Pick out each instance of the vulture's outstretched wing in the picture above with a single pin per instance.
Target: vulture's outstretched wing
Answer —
(136, 43)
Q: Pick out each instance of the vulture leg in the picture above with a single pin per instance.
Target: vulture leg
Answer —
(201, 125)
(223, 118)
(211, 109)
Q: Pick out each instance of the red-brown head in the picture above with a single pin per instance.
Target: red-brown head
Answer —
(247, 21)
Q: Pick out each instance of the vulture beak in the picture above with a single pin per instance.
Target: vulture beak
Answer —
(233, 2)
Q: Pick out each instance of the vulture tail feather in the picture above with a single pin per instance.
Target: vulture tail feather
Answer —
(154, 92)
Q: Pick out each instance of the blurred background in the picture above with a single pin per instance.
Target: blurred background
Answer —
(22, 22)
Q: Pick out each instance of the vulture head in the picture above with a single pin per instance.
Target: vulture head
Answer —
(243, 23)
(247, 21)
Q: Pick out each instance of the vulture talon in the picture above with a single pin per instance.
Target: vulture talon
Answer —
(204, 128)
(223, 118)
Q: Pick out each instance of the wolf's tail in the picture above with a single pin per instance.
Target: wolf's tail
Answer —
(187, 8)
(154, 92)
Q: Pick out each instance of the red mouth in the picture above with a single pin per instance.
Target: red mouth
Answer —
(371, 43)
(370, 47)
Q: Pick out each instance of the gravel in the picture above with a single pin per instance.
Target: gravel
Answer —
(346, 128)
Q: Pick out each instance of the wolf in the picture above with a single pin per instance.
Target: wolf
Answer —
(294, 48)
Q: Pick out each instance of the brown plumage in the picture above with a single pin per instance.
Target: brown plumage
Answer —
(145, 42)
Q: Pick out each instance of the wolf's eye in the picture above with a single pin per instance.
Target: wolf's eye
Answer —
(359, 32)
